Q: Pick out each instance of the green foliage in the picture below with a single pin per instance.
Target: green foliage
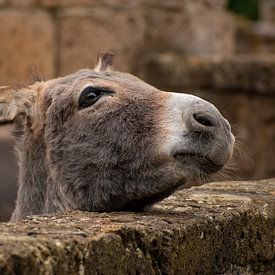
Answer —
(246, 8)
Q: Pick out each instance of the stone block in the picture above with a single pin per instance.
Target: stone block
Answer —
(255, 38)
(61, 3)
(217, 4)
(27, 42)
(219, 228)
(85, 33)
(267, 8)
(261, 122)
(23, 3)
(186, 27)
(88, 3)
(191, 28)
(251, 74)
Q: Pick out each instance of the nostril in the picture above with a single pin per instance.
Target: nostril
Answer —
(204, 120)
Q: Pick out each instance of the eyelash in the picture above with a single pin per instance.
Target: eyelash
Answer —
(90, 95)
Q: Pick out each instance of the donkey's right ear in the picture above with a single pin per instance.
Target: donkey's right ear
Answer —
(16, 103)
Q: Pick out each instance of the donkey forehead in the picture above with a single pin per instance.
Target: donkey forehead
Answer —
(75, 82)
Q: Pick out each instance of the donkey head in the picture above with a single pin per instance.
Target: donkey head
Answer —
(102, 140)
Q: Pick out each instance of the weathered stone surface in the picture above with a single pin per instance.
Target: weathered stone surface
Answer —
(5, 132)
(113, 3)
(255, 38)
(129, 28)
(23, 2)
(249, 41)
(85, 33)
(191, 28)
(62, 3)
(268, 10)
(217, 4)
(132, 33)
(219, 228)
(252, 74)
(27, 41)
(124, 3)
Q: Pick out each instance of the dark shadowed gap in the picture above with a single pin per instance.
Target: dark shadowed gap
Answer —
(8, 179)
(245, 8)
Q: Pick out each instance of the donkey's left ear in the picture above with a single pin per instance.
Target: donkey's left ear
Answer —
(16, 103)
(104, 62)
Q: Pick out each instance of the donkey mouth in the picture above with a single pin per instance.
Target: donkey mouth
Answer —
(198, 161)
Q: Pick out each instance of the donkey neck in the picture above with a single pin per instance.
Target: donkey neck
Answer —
(31, 155)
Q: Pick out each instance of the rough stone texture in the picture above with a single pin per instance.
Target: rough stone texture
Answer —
(255, 38)
(27, 41)
(252, 74)
(85, 33)
(182, 30)
(62, 3)
(268, 10)
(5, 132)
(220, 228)
(130, 28)
(134, 32)
(124, 3)
(23, 2)
(3, 2)
(62, 36)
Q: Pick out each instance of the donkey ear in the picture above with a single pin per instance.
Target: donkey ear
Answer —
(104, 62)
(16, 102)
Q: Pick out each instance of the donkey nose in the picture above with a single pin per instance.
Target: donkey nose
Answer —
(203, 117)
(204, 120)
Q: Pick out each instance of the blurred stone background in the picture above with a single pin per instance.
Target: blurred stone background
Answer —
(221, 50)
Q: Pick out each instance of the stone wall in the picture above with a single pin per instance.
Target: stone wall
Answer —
(257, 37)
(268, 10)
(220, 228)
(57, 37)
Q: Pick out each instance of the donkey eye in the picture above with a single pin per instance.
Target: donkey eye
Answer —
(89, 96)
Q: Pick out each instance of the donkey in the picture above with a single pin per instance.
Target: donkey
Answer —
(103, 140)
